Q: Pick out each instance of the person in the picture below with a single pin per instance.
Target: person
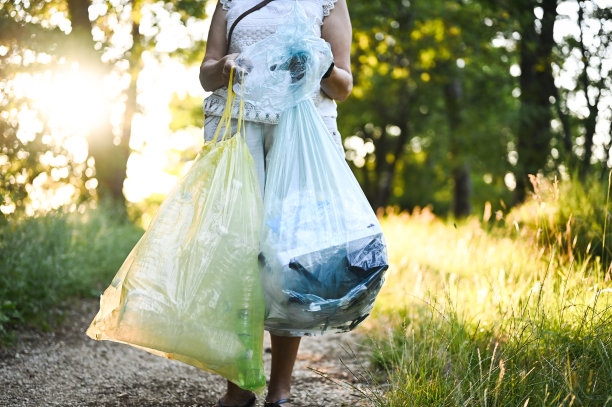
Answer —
(332, 18)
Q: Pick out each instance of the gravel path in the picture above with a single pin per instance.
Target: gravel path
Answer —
(66, 368)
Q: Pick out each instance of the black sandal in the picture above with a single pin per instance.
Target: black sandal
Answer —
(276, 403)
(249, 403)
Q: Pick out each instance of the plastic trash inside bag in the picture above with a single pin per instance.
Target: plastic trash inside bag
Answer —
(191, 288)
(323, 252)
(286, 67)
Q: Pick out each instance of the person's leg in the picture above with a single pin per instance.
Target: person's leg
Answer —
(235, 396)
(284, 352)
(284, 348)
(254, 136)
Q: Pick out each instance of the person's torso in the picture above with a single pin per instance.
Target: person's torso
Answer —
(255, 27)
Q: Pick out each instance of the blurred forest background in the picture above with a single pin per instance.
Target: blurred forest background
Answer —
(480, 130)
(455, 102)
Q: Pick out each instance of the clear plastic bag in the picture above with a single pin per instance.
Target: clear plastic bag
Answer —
(323, 253)
(286, 67)
(191, 288)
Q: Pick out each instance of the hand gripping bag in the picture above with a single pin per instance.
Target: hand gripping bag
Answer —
(191, 288)
(323, 254)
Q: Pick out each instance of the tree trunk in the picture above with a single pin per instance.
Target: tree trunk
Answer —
(386, 180)
(460, 171)
(110, 159)
(590, 122)
(566, 127)
(605, 168)
(81, 26)
(131, 104)
(537, 86)
(384, 146)
(462, 190)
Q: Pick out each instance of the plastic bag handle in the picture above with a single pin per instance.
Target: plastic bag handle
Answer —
(241, 125)
(226, 117)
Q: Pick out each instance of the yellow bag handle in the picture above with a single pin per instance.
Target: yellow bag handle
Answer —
(241, 125)
(226, 118)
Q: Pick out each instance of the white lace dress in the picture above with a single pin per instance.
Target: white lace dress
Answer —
(255, 27)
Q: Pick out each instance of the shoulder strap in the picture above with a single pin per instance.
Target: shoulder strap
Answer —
(243, 15)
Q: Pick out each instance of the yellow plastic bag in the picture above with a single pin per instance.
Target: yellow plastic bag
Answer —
(191, 288)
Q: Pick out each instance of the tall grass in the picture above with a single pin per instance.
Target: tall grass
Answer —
(473, 318)
(573, 216)
(48, 260)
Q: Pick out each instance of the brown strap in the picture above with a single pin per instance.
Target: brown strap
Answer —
(240, 17)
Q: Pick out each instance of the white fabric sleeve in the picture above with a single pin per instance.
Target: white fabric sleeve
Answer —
(328, 5)
(226, 4)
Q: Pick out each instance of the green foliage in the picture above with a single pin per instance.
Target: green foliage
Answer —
(406, 55)
(467, 317)
(585, 208)
(47, 260)
(186, 111)
(35, 40)
(24, 157)
(574, 216)
(435, 357)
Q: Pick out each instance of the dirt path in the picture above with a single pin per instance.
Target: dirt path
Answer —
(66, 368)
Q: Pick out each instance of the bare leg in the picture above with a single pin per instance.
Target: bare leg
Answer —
(284, 352)
(235, 396)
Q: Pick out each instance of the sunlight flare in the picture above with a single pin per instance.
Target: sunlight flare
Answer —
(74, 100)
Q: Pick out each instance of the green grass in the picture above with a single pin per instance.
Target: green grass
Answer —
(48, 260)
(518, 313)
(573, 215)
(474, 317)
